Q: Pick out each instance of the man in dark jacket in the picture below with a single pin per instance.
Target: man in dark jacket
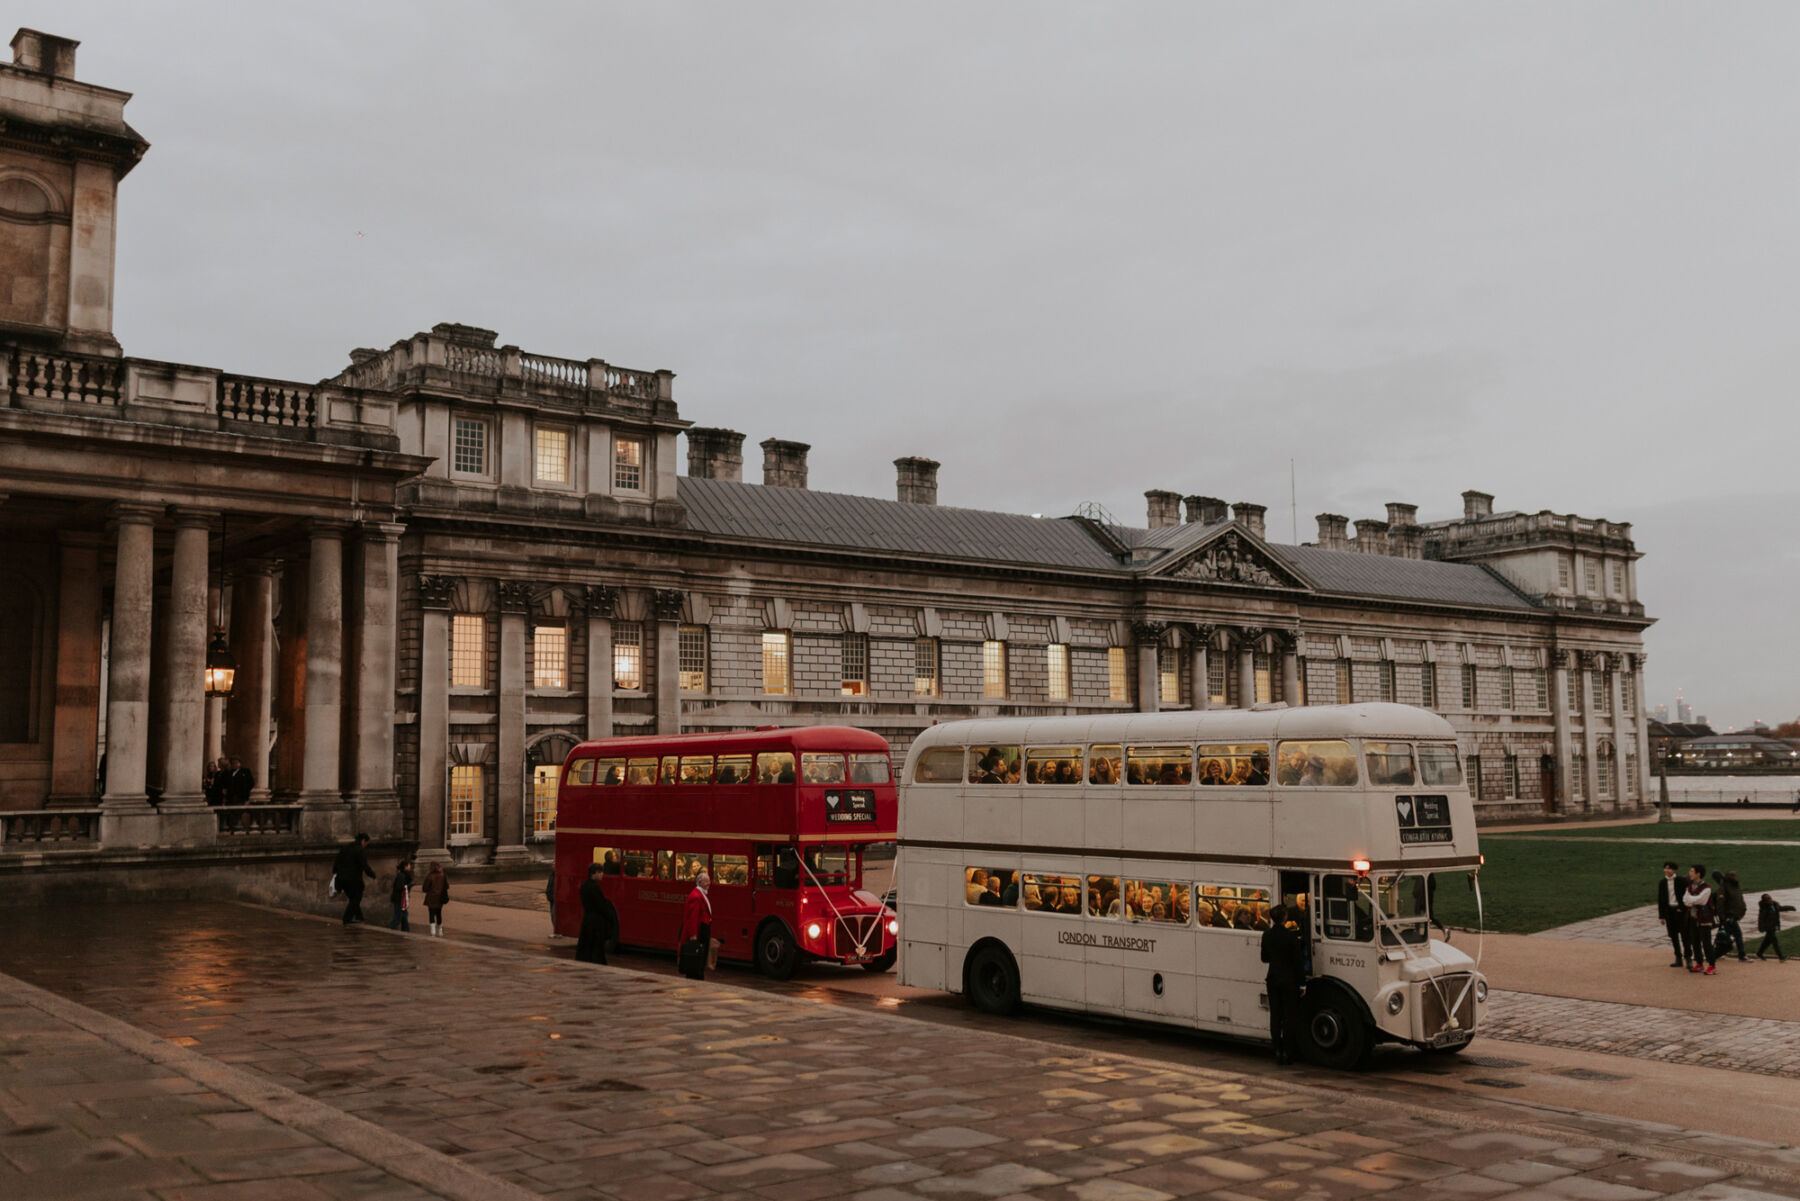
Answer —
(1670, 910)
(351, 865)
(1728, 898)
(1283, 951)
(590, 947)
(238, 783)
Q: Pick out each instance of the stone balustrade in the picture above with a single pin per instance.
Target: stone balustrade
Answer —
(38, 829)
(258, 821)
(267, 402)
(466, 358)
(77, 379)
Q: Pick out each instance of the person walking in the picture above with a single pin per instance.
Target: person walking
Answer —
(696, 929)
(1672, 912)
(350, 866)
(1728, 900)
(1698, 901)
(437, 893)
(590, 946)
(550, 899)
(1768, 921)
(1286, 957)
(400, 895)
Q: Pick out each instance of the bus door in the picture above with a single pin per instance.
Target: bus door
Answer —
(1344, 931)
(777, 884)
(1296, 897)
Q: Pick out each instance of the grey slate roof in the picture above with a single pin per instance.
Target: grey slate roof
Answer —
(835, 520)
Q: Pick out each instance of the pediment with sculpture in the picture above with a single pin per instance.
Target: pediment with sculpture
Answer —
(1233, 558)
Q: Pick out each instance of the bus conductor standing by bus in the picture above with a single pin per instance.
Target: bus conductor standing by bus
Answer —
(1286, 957)
(696, 929)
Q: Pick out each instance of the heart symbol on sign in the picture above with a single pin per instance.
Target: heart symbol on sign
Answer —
(1405, 808)
(831, 800)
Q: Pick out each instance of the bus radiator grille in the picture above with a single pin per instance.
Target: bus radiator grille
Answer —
(849, 930)
(1434, 996)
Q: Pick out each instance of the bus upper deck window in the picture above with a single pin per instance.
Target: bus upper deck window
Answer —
(640, 771)
(994, 765)
(609, 772)
(1159, 765)
(733, 769)
(939, 765)
(1053, 765)
(1438, 766)
(1390, 764)
(821, 767)
(1104, 764)
(1315, 764)
(696, 769)
(775, 767)
(580, 772)
(671, 771)
(870, 768)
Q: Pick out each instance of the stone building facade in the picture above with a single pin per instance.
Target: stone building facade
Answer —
(444, 565)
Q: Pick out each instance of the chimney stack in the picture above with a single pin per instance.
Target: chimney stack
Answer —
(1205, 509)
(917, 479)
(1331, 531)
(1402, 514)
(1406, 541)
(1250, 516)
(1477, 504)
(44, 52)
(715, 454)
(1165, 508)
(784, 463)
(1372, 536)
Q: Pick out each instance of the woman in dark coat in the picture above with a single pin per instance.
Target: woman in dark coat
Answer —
(591, 946)
(437, 894)
(696, 923)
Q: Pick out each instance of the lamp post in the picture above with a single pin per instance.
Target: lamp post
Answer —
(1664, 813)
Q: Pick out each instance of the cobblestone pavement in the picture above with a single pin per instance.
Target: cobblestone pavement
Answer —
(1738, 1044)
(573, 1081)
(1642, 928)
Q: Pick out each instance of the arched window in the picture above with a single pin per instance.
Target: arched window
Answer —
(544, 760)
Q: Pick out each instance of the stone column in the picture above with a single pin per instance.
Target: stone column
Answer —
(600, 601)
(186, 819)
(667, 605)
(215, 705)
(128, 819)
(1290, 670)
(1621, 793)
(1247, 640)
(377, 804)
(434, 716)
(1565, 732)
(156, 763)
(76, 724)
(1200, 667)
(1590, 735)
(1641, 718)
(1148, 636)
(509, 826)
(252, 641)
(321, 789)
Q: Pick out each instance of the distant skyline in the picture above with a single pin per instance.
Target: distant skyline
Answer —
(1074, 252)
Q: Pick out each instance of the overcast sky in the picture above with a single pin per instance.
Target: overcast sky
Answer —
(1544, 250)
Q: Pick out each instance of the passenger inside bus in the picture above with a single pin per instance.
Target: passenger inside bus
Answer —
(609, 866)
(1104, 765)
(613, 776)
(818, 768)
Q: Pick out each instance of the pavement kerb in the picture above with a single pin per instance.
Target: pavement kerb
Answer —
(397, 1156)
(1536, 1118)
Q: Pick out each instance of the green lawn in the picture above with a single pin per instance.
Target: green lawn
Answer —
(1534, 882)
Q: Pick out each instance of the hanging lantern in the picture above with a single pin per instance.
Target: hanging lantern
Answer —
(221, 668)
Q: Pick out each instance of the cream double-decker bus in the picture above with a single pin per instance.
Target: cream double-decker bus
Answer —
(1127, 865)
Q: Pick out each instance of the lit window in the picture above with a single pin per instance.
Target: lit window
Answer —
(1168, 675)
(993, 669)
(1262, 667)
(925, 667)
(1385, 672)
(465, 800)
(628, 655)
(553, 456)
(777, 654)
(854, 666)
(469, 448)
(628, 464)
(1512, 777)
(1115, 674)
(1058, 655)
(1342, 673)
(1215, 678)
(468, 650)
(543, 798)
(550, 657)
(1469, 692)
(693, 658)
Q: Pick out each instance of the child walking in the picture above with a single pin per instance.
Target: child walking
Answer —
(1768, 920)
(437, 892)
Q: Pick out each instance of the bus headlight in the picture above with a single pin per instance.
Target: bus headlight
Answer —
(1481, 991)
(1396, 1002)
(893, 925)
(812, 930)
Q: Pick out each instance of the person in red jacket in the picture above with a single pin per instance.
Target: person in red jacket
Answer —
(696, 926)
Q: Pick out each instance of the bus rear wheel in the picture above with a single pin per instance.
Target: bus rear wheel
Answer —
(1334, 1034)
(776, 954)
(883, 962)
(991, 980)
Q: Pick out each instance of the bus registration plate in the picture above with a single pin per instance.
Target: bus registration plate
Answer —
(850, 805)
(1422, 819)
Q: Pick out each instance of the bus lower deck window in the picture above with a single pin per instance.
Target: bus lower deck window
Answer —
(731, 869)
(992, 886)
(775, 767)
(581, 772)
(733, 769)
(641, 864)
(1155, 901)
(1050, 893)
(696, 769)
(1231, 906)
(1103, 896)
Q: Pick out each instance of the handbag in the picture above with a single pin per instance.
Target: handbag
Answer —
(690, 958)
(331, 889)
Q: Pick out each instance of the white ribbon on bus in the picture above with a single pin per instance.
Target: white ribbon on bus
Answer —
(1382, 921)
(862, 944)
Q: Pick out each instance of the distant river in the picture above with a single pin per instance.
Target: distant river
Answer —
(1729, 788)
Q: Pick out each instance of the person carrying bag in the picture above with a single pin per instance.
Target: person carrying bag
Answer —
(695, 948)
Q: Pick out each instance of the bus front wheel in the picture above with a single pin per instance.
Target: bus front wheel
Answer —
(776, 954)
(991, 980)
(1334, 1034)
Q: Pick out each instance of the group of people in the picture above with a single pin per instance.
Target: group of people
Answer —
(1703, 918)
(227, 782)
(351, 868)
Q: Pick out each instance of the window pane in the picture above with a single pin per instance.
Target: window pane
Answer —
(1348, 913)
(581, 772)
(855, 656)
(1104, 764)
(939, 765)
(1265, 684)
(1341, 677)
(680, 866)
(610, 772)
(641, 864)
(1428, 685)
(775, 767)
(465, 799)
(731, 869)
(671, 769)
(1438, 766)
(693, 658)
(468, 650)
(1053, 765)
(1168, 676)
(870, 768)
(628, 464)
(775, 658)
(1245, 764)
(1159, 765)
(1058, 656)
(1390, 763)
(925, 667)
(1404, 904)
(1046, 893)
(543, 799)
(1231, 906)
(1215, 677)
(553, 456)
(641, 771)
(550, 657)
(469, 453)
(628, 655)
(994, 765)
(696, 769)
(993, 669)
(732, 769)
(1315, 763)
(1103, 896)
(991, 886)
(1155, 901)
(1115, 673)
(821, 767)
(1386, 672)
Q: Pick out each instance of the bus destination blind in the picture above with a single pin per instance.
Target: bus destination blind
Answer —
(1423, 819)
(850, 805)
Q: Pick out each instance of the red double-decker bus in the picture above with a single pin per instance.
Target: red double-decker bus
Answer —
(781, 817)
